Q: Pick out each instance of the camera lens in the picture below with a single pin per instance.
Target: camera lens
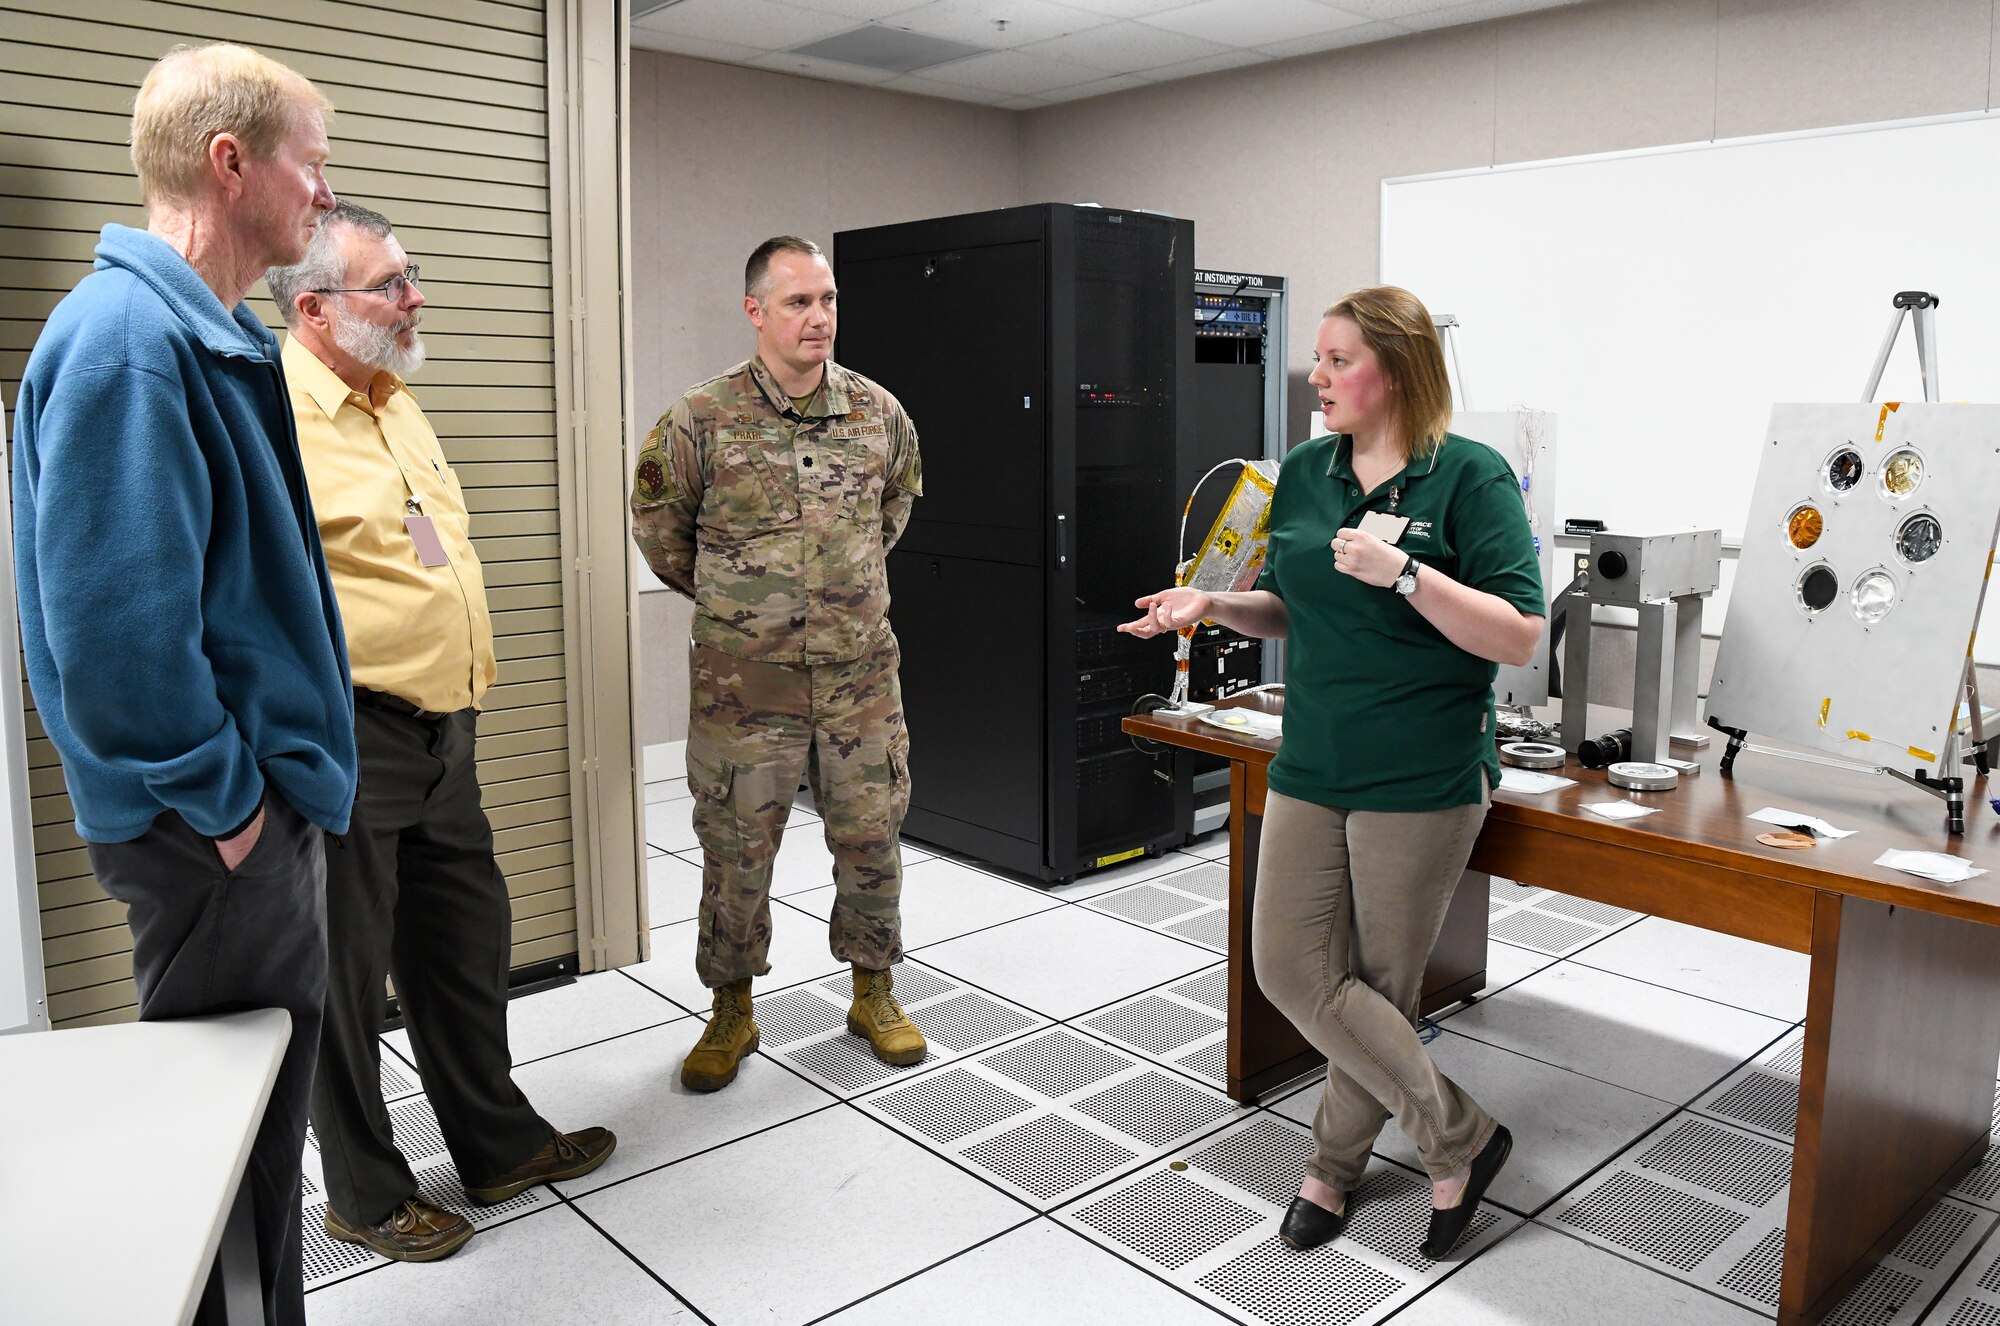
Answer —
(1610, 748)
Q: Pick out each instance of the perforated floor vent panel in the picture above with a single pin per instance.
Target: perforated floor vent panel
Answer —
(328, 1259)
(807, 1027)
(1211, 1226)
(1189, 904)
(1170, 1219)
(396, 1080)
(1974, 1298)
(1148, 904)
(1180, 1025)
(1155, 1024)
(1210, 989)
(1052, 1115)
(1551, 923)
(1704, 1200)
(1541, 932)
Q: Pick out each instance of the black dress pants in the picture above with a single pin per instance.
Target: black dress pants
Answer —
(209, 940)
(412, 890)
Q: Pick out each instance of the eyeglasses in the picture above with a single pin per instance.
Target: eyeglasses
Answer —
(391, 289)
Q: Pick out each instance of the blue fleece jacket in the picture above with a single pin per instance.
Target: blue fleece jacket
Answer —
(181, 633)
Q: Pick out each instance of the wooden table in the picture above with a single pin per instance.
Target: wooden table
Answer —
(1902, 1028)
(122, 1151)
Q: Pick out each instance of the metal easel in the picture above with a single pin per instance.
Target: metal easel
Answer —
(1948, 784)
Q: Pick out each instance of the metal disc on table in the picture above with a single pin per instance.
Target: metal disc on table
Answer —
(1785, 838)
(1643, 776)
(1532, 755)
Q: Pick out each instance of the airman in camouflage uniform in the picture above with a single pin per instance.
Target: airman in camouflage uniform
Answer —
(771, 496)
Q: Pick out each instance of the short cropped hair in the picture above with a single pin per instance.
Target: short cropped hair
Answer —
(196, 92)
(1395, 324)
(323, 267)
(757, 272)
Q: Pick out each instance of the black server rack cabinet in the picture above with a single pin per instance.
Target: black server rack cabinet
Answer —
(1045, 358)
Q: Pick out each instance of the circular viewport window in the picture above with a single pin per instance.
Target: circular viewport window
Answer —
(1874, 593)
(1919, 538)
(1804, 526)
(1818, 587)
(1901, 474)
(1843, 470)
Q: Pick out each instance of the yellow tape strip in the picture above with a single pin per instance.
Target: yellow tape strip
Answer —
(1883, 422)
(1824, 705)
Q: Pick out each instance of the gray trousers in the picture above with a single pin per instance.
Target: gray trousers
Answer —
(206, 940)
(412, 888)
(1349, 904)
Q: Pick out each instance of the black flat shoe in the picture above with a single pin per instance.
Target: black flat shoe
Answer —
(1307, 1224)
(1449, 1226)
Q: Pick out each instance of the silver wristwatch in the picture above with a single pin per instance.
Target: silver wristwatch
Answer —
(1406, 583)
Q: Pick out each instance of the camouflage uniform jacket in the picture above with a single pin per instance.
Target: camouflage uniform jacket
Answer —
(776, 523)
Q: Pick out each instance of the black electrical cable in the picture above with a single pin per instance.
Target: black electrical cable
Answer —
(1224, 308)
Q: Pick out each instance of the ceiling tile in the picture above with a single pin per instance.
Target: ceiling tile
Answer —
(867, 11)
(930, 87)
(1126, 47)
(1253, 22)
(1393, 10)
(1476, 12)
(1022, 103)
(1358, 35)
(1015, 73)
(978, 21)
(806, 66)
(758, 23)
(1209, 65)
(723, 52)
(1127, 8)
(1116, 83)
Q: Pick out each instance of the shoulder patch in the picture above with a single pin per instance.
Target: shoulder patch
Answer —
(652, 478)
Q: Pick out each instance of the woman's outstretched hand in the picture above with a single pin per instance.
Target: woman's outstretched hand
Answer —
(1169, 610)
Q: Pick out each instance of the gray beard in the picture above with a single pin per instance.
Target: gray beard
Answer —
(375, 348)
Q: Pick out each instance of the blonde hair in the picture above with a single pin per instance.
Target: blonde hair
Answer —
(196, 92)
(1395, 324)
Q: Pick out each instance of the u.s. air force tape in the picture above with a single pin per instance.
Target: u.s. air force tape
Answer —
(1532, 755)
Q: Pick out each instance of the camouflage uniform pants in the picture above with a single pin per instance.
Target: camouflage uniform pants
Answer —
(754, 729)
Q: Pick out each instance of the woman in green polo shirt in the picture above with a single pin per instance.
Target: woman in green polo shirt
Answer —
(1400, 570)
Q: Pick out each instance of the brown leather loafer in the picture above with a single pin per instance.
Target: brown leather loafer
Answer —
(415, 1231)
(567, 1156)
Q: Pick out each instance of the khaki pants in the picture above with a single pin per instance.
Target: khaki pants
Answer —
(753, 730)
(1348, 906)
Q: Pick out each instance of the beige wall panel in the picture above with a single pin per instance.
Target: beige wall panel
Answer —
(1605, 78)
(406, 126)
(708, 140)
(449, 77)
(1783, 65)
(302, 29)
(442, 127)
(699, 131)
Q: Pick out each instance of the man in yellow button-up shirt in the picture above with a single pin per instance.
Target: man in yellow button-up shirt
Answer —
(412, 888)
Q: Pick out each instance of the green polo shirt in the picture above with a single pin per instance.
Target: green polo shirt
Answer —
(1381, 711)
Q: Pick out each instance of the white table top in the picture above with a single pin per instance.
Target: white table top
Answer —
(121, 1149)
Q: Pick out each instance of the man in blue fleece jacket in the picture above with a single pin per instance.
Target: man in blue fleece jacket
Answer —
(181, 632)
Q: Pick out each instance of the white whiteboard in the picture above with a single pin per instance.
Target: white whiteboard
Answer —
(1662, 301)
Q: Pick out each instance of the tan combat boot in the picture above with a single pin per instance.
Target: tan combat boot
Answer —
(876, 1015)
(731, 1034)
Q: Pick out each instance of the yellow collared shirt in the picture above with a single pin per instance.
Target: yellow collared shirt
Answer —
(419, 632)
